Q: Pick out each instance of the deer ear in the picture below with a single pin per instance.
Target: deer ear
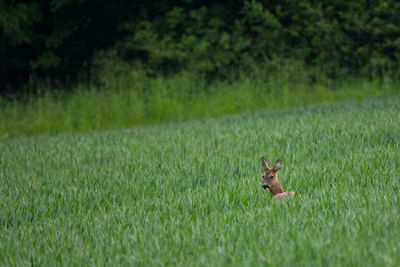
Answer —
(277, 165)
(264, 163)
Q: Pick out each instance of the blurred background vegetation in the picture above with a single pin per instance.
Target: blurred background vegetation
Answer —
(106, 64)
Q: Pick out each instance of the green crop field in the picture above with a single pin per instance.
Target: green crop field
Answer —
(190, 194)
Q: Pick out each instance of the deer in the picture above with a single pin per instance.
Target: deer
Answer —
(271, 182)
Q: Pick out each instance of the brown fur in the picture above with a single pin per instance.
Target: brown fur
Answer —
(275, 187)
(270, 180)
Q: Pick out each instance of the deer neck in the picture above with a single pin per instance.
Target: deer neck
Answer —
(275, 187)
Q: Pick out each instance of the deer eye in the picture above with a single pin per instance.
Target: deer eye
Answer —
(271, 177)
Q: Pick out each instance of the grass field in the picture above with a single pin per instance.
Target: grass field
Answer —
(130, 101)
(189, 194)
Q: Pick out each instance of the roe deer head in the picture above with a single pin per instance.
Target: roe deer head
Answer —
(271, 182)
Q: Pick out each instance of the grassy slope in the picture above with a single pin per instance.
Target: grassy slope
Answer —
(128, 102)
(190, 193)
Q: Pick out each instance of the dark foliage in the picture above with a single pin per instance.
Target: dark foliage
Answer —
(59, 38)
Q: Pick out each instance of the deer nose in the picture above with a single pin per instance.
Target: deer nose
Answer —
(265, 186)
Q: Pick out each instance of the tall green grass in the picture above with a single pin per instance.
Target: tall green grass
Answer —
(190, 194)
(129, 99)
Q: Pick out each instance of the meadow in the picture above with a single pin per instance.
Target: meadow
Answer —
(190, 193)
(132, 99)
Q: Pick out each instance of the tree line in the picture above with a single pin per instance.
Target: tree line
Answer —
(64, 40)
